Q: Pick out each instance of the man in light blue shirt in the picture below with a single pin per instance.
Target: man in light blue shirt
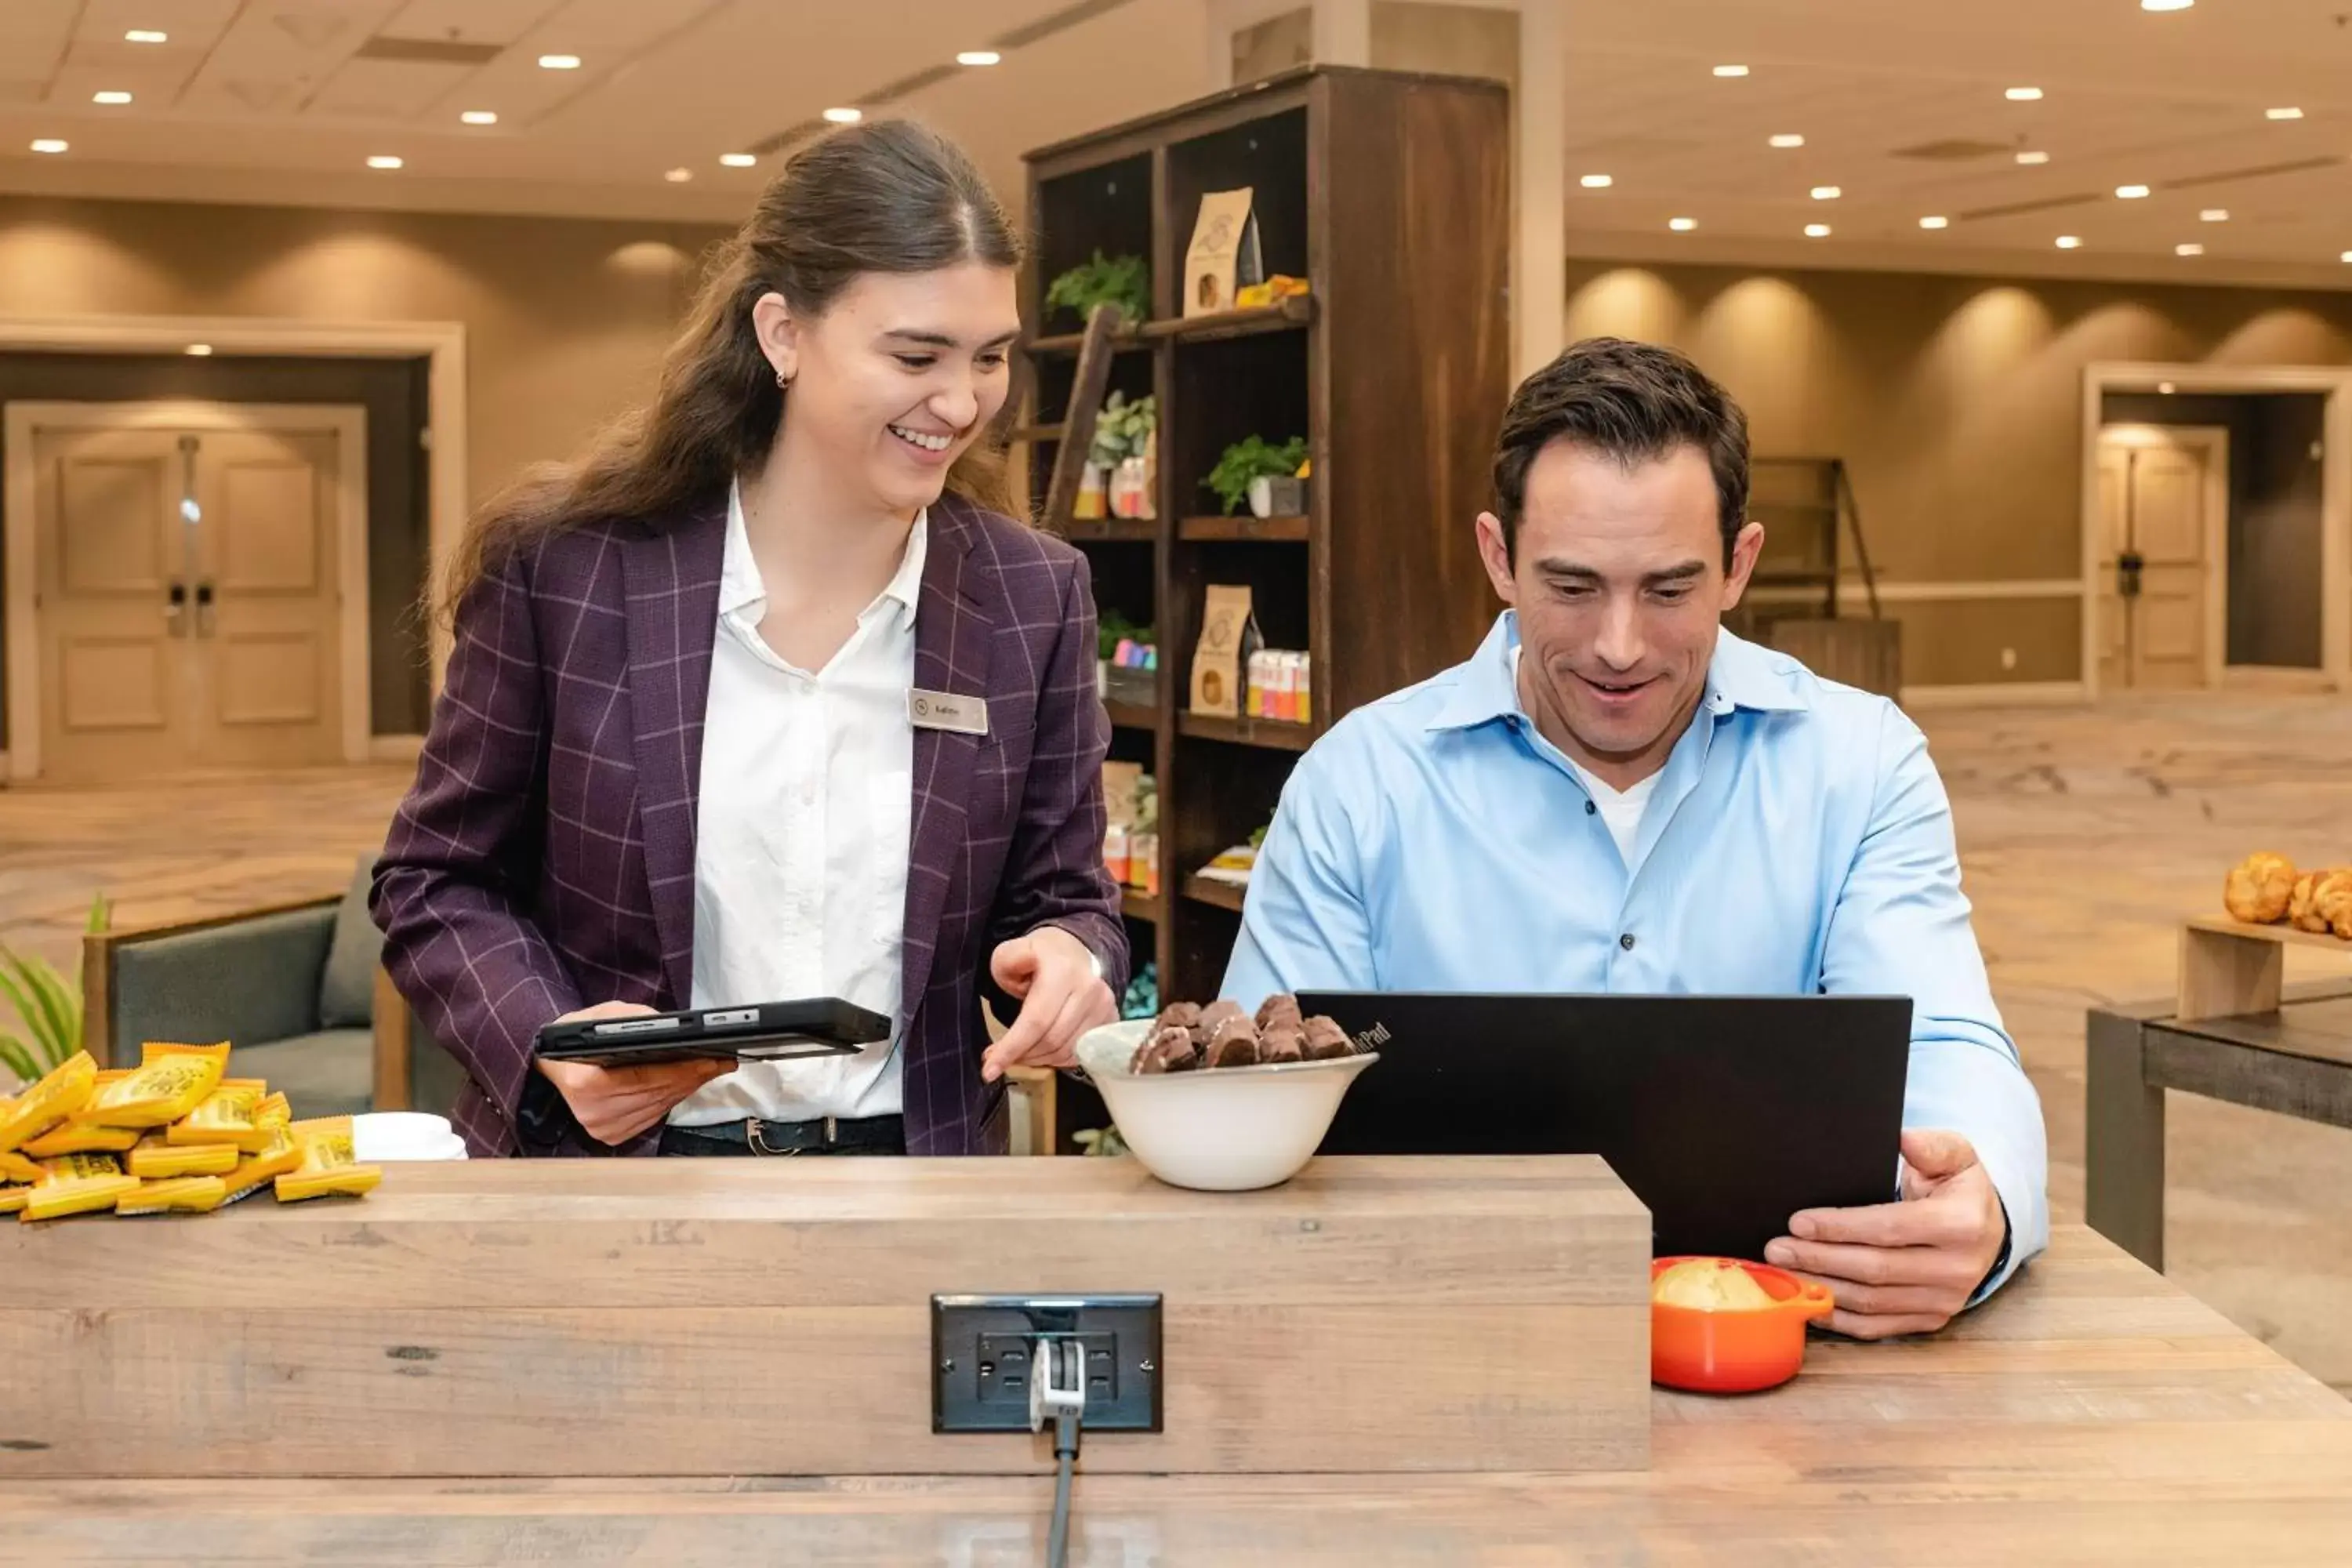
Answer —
(1615, 795)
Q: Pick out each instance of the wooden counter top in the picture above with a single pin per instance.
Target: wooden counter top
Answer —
(2092, 1413)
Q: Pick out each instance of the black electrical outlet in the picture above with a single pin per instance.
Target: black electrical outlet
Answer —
(982, 1348)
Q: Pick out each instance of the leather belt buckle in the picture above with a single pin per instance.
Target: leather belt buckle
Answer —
(832, 1133)
(754, 1134)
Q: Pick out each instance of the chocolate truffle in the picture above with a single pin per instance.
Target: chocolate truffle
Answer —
(1184, 1015)
(1169, 1049)
(1281, 1043)
(1325, 1039)
(1233, 1043)
(1281, 1008)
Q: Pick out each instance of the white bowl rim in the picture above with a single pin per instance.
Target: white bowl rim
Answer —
(1220, 1075)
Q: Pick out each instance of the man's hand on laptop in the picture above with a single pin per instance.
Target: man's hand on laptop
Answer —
(1905, 1267)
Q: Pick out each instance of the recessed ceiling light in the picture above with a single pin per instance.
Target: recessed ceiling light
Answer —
(110, 96)
(2214, 215)
(559, 62)
(2165, 388)
(1788, 139)
(2165, 5)
(2030, 159)
(1682, 225)
(738, 160)
(48, 145)
(1817, 231)
(199, 350)
(2192, 248)
(384, 161)
(2130, 192)
(1826, 193)
(479, 117)
(145, 35)
(2346, 256)
(1935, 223)
(2023, 95)
(1731, 70)
(2289, 113)
(1596, 181)
(844, 116)
(678, 176)
(2070, 242)
(977, 57)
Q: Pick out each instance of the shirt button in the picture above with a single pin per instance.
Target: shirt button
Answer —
(1590, 807)
(1626, 942)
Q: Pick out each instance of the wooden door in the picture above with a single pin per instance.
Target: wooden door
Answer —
(110, 549)
(266, 609)
(188, 599)
(2163, 494)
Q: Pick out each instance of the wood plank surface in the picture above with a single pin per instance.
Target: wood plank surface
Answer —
(2227, 968)
(2091, 1414)
(501, 1317)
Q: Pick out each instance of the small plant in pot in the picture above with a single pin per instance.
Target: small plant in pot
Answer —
(1266, 475)
(1125, 282)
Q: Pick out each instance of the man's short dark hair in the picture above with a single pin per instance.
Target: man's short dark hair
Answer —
(1633, 402)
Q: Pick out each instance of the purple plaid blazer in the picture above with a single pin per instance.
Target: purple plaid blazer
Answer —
(544, 857)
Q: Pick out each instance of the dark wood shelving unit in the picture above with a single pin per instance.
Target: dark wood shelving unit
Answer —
(1138, 905)
(1212, 530)
(1274, 734)
(1215, 894)
(1395, 368)
(1133, 715)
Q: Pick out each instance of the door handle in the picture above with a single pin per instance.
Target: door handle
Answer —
(203, 609)
(175, 611)
(2127, 570)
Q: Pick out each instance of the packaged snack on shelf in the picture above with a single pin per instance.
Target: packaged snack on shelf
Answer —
(180, 1194)
(154, 1160)
(1115, 852)
(170, 1082)
(1143, 862)
(1306, 714)
(328, 1166)
(61, 1092)
(224, 1116)
(76, 1184)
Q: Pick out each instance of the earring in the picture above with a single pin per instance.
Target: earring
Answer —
(783, 380)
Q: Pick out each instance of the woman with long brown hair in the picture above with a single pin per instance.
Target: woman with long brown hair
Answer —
(770, 697)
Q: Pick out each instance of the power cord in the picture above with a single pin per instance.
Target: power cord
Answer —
(1057, 1389)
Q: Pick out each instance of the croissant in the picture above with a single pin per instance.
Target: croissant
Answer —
(2260, 888)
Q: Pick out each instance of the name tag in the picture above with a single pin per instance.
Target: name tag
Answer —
(946, 710)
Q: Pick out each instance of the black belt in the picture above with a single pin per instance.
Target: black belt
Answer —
(825, 1135)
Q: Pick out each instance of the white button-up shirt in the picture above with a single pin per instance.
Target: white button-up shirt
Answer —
(803, 830)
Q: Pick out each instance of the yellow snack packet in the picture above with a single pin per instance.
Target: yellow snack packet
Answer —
(327, 1164)
(253, 1172)
(155, 1161)
(13, 1199)
(82, 1138)
(224, 1116)
(18, 1168)
(63, 1090)
(77, 1184)
(182, 1195)
(170, 1082)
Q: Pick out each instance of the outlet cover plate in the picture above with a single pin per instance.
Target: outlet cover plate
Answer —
(981, 1351)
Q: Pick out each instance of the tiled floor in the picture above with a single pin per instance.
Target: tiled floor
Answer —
(2084, 835)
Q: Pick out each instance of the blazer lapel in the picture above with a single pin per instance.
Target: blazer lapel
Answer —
(669, 577)
(952, 633)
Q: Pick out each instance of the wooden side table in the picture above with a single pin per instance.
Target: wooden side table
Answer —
(2233, 1032)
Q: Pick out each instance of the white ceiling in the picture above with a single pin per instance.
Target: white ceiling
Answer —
(282, 100)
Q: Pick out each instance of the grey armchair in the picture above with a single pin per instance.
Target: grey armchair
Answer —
(298, 989)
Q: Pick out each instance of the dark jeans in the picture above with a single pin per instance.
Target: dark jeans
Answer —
(875, 1135)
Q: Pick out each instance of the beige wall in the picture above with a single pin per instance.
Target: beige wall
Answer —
(565, 318)
(1956, 402)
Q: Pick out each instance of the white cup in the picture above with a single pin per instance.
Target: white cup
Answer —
(382, 1135)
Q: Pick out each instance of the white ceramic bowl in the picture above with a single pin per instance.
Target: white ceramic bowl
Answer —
(381, 1135)
(1222, 1129)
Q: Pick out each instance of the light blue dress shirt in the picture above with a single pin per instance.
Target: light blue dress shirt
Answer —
(1799, 841)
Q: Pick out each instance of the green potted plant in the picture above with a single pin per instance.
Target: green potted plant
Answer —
(1125, 282)
(1264, 475)
(1125, 435)
(47, 1004)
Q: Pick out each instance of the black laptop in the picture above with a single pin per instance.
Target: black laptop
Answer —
(1725, 1114)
